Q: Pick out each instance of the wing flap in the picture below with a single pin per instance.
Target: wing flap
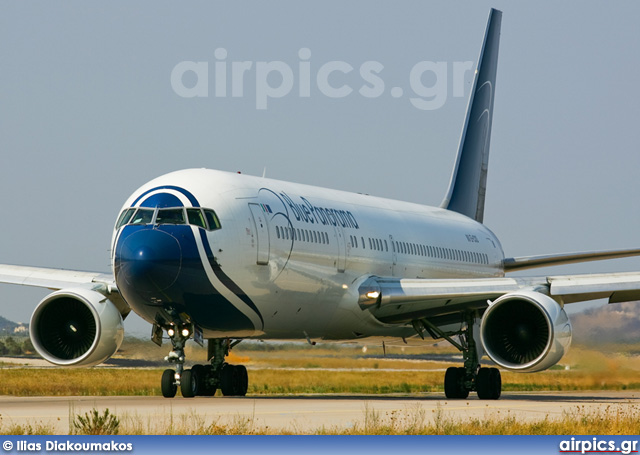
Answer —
(617, 287)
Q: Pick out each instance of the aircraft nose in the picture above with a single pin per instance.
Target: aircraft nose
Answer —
(150, 260)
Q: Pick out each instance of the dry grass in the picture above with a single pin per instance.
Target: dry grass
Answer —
(613, 420)
(301, 369)
(618, 420)
(81, 382)
(109, 382)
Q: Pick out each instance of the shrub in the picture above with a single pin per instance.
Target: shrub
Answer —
(95, 423)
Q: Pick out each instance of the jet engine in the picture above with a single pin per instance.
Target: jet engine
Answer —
(76, 327)
(525, 331)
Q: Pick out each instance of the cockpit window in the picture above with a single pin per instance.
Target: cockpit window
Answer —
(124, 217)
(202, 218)
(196, 218)
(142, 216)
(170, 216)
(212, 219)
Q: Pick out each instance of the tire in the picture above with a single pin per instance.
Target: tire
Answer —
(168, 384)
(208, 387)
(198, 378)
(489, 384)
(188, 385)
(454, 387)
(226, 380)
(242, 378)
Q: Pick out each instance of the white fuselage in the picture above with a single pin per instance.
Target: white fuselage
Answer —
(298, 252)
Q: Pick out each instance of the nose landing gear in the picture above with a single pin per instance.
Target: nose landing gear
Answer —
(204, 380)
(171, 379)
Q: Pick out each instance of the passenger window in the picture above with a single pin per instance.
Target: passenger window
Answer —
(142, 216)
(386, 246)
(326, 237)
(196, 218)
(363, 245)
(124, 217)
(212, 219)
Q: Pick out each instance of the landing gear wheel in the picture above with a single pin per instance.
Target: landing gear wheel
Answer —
(454, 383)
(234, 380)
(168, 384)
(227, 380)
(208, 377)
(189, 383)
(198, 375)
(489, 384)
(243, 380)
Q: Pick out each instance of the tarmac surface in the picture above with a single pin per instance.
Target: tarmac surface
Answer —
(301, 414)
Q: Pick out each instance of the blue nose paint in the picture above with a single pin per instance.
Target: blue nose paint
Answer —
(150, 260)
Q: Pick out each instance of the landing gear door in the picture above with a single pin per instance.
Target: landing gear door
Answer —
(342, 249)
(262, 233)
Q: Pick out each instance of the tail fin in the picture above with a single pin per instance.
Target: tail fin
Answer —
(468, 183)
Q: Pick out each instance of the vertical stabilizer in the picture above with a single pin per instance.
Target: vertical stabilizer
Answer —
(469, 178)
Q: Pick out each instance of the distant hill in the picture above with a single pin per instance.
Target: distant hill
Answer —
(615, 323)
(8, 327)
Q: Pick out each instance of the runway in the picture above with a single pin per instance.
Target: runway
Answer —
(300, 414)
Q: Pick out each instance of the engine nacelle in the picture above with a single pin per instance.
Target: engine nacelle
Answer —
(525, 331)
(76, 327)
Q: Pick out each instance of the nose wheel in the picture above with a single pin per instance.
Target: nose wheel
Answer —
(168, 384)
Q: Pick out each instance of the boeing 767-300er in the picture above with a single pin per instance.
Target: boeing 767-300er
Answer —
(225, 257)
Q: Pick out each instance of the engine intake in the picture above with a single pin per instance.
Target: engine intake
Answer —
(525, 331)
(76, 327)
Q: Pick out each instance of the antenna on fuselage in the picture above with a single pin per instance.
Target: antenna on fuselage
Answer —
(264, 172)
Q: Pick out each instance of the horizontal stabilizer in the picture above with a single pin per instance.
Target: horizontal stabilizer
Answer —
(531, 262)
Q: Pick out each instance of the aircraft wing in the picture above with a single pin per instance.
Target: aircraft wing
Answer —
(395, 300)
(52, 278)
(56, 279)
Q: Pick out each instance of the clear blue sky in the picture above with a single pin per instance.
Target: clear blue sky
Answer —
(88, 114)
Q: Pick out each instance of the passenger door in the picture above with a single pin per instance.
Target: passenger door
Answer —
(262, 233)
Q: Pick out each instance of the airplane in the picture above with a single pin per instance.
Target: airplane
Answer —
(225, 257)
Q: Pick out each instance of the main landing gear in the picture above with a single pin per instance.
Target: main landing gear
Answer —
(459, 381)
(203, 380)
